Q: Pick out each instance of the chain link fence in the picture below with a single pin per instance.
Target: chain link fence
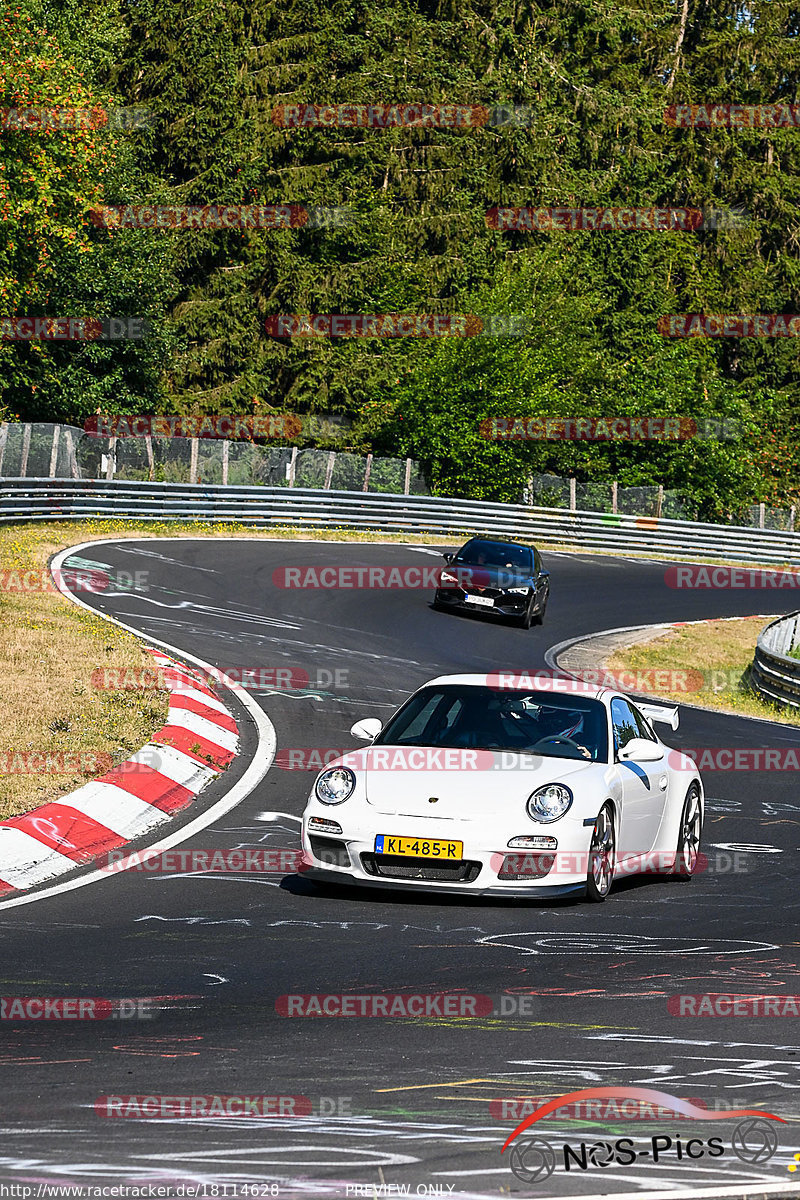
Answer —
(557, 491)
(42, 451)
(49, 451)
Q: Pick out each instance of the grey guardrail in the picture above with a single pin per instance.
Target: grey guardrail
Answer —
(312, 508)
(775, 675)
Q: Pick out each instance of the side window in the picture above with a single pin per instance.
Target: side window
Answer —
(440, 721)
(537, 562)
(416, 723)
(623, 720)
(645, 728)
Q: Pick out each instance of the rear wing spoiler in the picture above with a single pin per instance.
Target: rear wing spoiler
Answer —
(660, 712)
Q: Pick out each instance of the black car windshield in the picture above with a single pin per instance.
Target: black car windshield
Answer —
(494, 554)
(524, 721)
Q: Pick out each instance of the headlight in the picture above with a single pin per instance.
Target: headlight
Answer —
(519, 591)
(549, 803)
(445, 577)
(334, 786)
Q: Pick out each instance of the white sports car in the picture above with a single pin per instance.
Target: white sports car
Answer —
(508, 786)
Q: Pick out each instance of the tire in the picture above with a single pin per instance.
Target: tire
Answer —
(539, 619)
(527, 620)
(602, 857)
(689, 834)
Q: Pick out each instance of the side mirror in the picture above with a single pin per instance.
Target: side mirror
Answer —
(366, 730)
(641, 750)
(448, 558)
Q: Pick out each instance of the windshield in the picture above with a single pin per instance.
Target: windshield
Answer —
(494, 554)
(523, 721)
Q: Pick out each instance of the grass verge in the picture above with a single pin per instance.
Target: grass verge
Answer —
(715, 657)
(58, 730)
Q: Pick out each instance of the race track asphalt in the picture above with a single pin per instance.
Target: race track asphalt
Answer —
(396, 1101)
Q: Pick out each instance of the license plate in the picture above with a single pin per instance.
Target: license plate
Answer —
(486, 601)
(418, 847)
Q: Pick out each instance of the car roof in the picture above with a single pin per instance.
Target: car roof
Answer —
(524, 681)
(497, 541)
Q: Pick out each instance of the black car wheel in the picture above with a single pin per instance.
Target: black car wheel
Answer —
(689, 833)
(528, 617)
(602, 856)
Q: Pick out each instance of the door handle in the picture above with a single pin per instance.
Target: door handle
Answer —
(662, 783)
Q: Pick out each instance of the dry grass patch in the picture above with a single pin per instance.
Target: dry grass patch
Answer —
(720, 652)
(49, 705)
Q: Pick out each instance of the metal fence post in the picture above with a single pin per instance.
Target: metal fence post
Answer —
(3, 440)
(614, 495)
(111, 461)
(791, 510)
(407, 485)
(226, 450)
(193, 461)
(762, 513)
(329, 470)
(573, 494)
(367, 470)
(660, 500)
(72, 456)
(26, 446)
(54, 451)
(151, 467)
(293, 466)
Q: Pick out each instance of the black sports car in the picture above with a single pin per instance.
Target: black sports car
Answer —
(503, 578)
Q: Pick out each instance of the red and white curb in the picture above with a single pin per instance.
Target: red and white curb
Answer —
(198, 741)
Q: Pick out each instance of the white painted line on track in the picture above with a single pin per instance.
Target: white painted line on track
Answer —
(261, 761)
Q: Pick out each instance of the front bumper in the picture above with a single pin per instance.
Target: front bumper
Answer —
(515, 892)
(504, 605)
(485, 869)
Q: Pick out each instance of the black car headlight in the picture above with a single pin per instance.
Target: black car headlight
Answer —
(335, 785)
(550, 802)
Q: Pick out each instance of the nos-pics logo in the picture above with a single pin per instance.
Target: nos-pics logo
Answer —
(753, 1140)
